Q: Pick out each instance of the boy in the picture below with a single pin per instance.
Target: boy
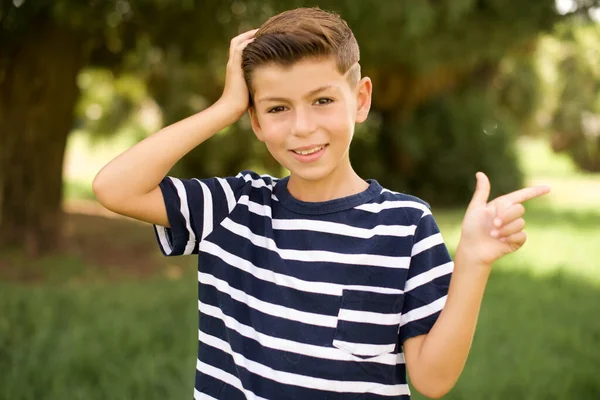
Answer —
(320, 285)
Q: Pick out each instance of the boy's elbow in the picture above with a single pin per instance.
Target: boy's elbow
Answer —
(432, 392)
(433, 389)
(103, 191)
(99, 188)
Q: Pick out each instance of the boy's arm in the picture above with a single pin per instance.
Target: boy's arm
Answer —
(490, 230)
(435, 360)
(128, 185)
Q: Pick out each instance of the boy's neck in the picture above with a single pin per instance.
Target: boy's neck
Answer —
(341, 182)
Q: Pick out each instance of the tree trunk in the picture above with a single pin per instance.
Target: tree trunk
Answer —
(38, 93)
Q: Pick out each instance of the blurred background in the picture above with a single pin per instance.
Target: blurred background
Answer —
(89, 309)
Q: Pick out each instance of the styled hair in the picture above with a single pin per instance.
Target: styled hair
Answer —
(299, 34)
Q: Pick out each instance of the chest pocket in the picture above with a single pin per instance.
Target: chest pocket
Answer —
(368, 323)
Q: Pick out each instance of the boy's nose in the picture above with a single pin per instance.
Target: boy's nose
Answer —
(303, 124)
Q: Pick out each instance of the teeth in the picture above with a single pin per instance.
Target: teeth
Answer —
(307, 152)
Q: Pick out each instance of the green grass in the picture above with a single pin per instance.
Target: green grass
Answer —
(538, 335)
(133, 340)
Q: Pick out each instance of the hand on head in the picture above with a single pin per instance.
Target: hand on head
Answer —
(236, 93)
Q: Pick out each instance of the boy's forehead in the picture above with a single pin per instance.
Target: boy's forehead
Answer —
(299, 78)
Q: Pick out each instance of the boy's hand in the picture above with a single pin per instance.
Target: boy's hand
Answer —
(493, 229)
(235, 93)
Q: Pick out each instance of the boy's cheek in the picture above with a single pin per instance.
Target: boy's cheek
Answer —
(266, 130)
(266, 137)
(273, 132)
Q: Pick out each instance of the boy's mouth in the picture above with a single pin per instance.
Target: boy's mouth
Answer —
(308, 150)
(309, 153)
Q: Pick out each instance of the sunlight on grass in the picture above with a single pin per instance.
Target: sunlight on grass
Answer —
(559, 240)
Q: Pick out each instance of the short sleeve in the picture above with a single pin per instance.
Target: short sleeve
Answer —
(428, 279)
(194, 208)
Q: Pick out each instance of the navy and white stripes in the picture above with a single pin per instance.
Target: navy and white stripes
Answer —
(305, 300)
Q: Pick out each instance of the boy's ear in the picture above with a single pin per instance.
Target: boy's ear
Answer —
(254, 123)
(364, 90)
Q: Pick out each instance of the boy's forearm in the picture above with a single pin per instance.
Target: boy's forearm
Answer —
(144, 165)
(445, 348)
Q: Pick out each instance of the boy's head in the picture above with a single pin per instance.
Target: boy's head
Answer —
(306, 91)
(300, 34)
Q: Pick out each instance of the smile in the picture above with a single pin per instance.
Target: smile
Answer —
(310, 151)
(309, 154)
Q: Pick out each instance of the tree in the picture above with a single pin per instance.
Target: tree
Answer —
(44, 45)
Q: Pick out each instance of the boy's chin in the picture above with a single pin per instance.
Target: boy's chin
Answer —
(310, 174)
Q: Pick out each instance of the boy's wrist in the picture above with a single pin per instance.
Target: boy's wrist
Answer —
(465, 258)
(230, 111)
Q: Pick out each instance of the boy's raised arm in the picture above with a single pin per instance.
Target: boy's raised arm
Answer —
(128, 185)
(490, 230)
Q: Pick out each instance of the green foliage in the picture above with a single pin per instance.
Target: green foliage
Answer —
(98, 23)
(108, 104)
(520, 90)
(436, 151)
(421, 35)
(576, 121)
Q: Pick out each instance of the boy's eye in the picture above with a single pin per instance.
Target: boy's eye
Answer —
(275, 110)
(324, 100)
(278, 109)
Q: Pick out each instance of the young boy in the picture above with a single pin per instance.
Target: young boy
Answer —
(320, 285)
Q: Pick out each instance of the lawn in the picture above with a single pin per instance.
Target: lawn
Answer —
(116, 327)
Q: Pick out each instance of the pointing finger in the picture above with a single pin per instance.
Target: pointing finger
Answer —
(522, 195)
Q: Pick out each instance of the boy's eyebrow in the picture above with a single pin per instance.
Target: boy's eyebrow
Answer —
(309, 94)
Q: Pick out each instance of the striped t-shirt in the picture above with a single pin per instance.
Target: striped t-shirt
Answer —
(302, 300)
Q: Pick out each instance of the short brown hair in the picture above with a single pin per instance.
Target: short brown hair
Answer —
(302, 33)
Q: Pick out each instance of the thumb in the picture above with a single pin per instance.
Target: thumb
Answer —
(482, 190)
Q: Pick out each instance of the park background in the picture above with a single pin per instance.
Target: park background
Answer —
(89, 309)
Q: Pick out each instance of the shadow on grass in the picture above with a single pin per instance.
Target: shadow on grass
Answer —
(98, 246)
(537, 338)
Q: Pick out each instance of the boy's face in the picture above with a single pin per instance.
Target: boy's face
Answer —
(305, 114)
